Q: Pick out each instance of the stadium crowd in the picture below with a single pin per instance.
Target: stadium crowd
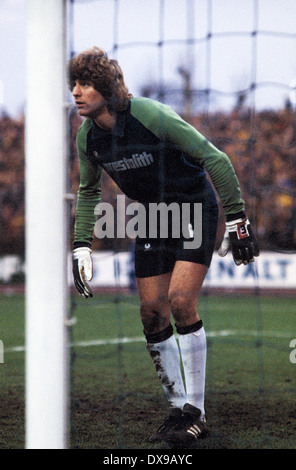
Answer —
(262, 148)
(12, 207)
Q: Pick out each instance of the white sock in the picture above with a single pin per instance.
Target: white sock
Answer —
(166, 358)
(193, 348)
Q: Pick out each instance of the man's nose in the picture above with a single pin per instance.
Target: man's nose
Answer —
(76, 90)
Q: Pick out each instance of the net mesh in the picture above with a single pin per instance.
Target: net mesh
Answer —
(176, 62)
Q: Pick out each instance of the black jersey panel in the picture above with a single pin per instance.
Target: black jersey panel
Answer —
(143, 166)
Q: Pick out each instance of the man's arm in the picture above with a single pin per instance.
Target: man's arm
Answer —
(168, 125)
(89, 195)
(89, 192)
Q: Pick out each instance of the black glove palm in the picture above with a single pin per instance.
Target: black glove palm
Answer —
(239, 236)
(82, 270)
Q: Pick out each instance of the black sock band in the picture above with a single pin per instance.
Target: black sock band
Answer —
(162, 335)
(184, 330)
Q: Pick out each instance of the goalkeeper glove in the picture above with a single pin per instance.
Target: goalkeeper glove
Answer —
(239, 236)
(82, 270)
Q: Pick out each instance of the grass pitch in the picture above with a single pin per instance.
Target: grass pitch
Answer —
(116, 397)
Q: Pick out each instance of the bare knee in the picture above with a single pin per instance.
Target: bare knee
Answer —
(155, 315)
(184, 308)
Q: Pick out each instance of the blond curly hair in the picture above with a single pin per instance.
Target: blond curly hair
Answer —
(94, 67)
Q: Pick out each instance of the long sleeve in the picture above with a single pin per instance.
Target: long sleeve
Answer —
(169, 126)
(89, 192)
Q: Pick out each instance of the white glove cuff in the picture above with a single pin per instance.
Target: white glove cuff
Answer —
(231, 226)
(82, 249)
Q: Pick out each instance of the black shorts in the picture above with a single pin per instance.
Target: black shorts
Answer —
(155, 256)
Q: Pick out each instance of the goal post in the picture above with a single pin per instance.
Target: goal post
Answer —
(46, 221)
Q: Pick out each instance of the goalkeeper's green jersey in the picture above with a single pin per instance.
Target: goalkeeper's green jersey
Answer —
(153, 155)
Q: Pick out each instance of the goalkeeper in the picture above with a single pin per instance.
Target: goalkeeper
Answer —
(155, 156)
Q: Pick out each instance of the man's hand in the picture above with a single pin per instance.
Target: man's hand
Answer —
(82, 270)
(239, 236)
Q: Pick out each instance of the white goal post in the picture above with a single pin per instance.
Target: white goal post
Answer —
(46, 240)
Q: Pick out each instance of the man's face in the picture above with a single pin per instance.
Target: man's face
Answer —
(89, 102)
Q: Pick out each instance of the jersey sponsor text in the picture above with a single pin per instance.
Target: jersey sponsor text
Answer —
(138, 160)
